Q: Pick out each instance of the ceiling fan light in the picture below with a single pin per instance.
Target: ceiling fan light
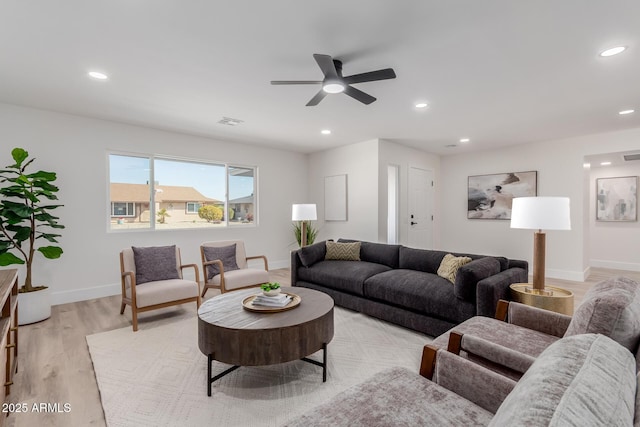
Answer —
(333, 87)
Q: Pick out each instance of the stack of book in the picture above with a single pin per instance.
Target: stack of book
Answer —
(279, 300)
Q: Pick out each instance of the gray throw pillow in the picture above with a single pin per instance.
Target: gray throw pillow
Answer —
(226, 254)
(155, 263)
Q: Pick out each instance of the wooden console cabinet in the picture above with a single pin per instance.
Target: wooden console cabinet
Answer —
(8, 331)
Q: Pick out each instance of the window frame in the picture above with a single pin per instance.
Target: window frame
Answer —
(225, 224)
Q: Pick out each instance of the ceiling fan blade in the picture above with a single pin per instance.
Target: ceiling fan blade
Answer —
(296, 82)
(359, 95)
(316, 99)
(325, 62)
(371, 76)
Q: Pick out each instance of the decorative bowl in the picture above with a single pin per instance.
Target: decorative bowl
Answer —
(272, 292)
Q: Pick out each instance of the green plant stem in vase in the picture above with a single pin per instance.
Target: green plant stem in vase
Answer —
(312, 232)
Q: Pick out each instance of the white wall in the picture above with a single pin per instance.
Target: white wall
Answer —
(360, 163)
(76, 148)
(391, 153)
(560, 173)
(613, 244)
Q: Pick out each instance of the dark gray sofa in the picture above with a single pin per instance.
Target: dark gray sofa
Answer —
(400, 284)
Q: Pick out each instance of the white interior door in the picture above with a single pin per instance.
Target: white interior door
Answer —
(420, 208)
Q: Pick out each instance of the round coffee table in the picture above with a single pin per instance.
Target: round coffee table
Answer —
(230, 334)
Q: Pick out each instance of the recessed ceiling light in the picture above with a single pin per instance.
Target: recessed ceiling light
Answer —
(623, 112)
(98, 75)
(586, 165)
(613, 51)
(451, 145)
(421, 105)
(463, 140)
(325, 132)
(605, 163)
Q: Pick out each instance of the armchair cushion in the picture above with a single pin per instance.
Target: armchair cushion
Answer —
(611, 308)
(155, 263)
(162, 291)
(226, 254)
(582, 380)
(241, 278)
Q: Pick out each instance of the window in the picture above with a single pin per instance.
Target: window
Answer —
(122, 209)
(165, 193)
(192, 207)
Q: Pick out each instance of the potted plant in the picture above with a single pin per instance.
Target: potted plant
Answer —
(25, 221)
(310, 230)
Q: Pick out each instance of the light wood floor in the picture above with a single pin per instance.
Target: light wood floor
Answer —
(55, 367)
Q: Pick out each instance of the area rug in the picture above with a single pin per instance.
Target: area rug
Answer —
(157, 376)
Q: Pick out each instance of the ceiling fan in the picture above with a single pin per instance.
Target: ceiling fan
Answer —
(335, 82)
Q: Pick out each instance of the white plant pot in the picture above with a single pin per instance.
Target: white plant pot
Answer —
(34, 306)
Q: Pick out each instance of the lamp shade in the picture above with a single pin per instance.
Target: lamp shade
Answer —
(541, 213)
(305, 212)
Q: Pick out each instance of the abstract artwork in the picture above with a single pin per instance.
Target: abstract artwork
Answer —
(617, 198)
(490, 196)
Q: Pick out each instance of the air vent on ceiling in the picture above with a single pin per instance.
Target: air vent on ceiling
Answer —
(230, 121)
(629, 157)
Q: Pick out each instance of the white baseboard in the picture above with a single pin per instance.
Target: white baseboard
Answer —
(574, 276)
(615, 265)
(75, 295)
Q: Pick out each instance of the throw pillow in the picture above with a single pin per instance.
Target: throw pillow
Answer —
(226, 254)
(311, 254)
(449, 266)
(155, 263)
(343, 251)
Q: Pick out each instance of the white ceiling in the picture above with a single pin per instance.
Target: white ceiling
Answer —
(499, 72)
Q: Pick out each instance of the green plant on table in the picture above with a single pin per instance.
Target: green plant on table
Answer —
(270, 286)
(25, 217)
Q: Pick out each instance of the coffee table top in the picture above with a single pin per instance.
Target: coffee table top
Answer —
(226, 311)
(228, 333)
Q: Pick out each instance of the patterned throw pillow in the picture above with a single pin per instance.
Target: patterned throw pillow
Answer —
(226, 254)
(155, 263)
(343, 251)
(449, 266)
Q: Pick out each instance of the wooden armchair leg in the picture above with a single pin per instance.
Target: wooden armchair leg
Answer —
(428, 364)
(134, 315)
(204, 291)
(122, 306)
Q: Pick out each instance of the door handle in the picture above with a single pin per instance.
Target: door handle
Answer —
(413, 223)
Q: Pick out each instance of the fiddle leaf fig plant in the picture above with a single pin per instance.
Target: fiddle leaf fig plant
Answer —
(25, 215)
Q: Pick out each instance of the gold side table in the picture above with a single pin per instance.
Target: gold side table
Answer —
(552, 298)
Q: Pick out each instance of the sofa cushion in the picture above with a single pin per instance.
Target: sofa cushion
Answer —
(379, 253)
(582, 380)
(611, 308)
(420, 292)
(395, 397)
(449, 266)
(155, 263)
(345, 276)
(420, 259)
(226, 254)
(311, 254)
(343, 251)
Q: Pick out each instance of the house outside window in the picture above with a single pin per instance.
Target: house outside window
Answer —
(122, 209)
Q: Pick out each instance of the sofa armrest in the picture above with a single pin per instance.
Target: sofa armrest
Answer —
(470, 274)
(538, 319)
(295, 264)
(475, 383)
(495, 288)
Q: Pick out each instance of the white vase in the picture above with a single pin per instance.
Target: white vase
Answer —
(34, 306)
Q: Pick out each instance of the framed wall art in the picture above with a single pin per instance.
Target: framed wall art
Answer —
(490, 196)
(617, 199)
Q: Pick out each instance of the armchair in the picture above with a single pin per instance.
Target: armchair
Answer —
(512, 342)
(151, 278)
(225, 267)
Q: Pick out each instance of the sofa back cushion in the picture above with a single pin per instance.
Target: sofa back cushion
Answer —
(378, 253)
(611, 308)
(582, 380)
(420, 259)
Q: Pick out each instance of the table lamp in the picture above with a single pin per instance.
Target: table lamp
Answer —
(540, 213)
(303, 213)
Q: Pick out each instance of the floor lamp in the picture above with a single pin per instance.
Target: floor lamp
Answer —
(540, 213)
(303, 213)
